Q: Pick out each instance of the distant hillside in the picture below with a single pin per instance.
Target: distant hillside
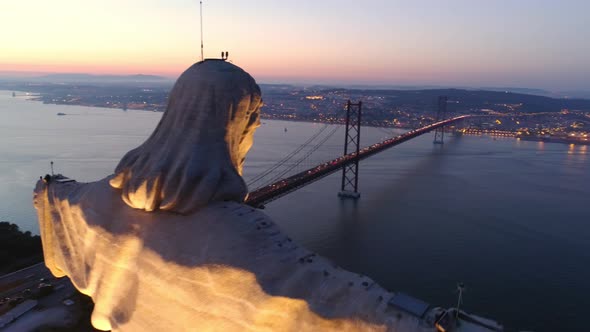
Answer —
(463, 100)
(528, 91)
(101, 78)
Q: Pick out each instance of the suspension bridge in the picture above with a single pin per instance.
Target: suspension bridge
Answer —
(348, 162)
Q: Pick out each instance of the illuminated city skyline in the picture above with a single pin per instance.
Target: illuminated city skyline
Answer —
(525, 43)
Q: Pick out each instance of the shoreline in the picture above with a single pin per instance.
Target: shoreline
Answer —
(504, 133)
(532, 138)
(38, 98)
(554, 140)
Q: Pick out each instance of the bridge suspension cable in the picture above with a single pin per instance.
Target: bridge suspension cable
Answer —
(288, 157)
(303, 158)
(387, 131)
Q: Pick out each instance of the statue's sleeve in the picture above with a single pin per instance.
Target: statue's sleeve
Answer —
(81, 241)
(62, 229)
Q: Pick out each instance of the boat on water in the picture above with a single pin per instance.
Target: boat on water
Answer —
(60, 113)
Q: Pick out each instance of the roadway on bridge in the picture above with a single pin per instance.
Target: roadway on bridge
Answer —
(282, 187)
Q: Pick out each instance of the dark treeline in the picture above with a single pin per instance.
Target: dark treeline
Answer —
(18, 249)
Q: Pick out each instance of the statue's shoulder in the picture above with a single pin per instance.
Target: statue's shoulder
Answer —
(235, 211)
(233, 220)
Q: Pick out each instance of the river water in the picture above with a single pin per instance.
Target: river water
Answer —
(508, 218)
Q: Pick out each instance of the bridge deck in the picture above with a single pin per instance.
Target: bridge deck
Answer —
(282, 187)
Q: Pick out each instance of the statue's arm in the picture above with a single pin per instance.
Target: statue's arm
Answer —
(62, 228)
(46, 215)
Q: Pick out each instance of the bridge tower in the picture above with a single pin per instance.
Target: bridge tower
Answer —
(352, 139)
(439, 133)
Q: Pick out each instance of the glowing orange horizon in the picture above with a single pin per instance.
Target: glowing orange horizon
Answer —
(386, 42)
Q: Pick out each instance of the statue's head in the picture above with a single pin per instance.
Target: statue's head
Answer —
(196, 153)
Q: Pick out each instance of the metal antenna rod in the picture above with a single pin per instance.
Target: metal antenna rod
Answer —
(460, 289)
(201, 11)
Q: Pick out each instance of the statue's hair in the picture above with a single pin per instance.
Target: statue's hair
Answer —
(195, 154)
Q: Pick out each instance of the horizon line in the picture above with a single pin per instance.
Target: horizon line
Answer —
(5, 74)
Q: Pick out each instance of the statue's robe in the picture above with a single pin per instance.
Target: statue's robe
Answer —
(226, 267)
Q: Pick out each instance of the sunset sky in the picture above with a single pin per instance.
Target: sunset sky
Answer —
(524, 43)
